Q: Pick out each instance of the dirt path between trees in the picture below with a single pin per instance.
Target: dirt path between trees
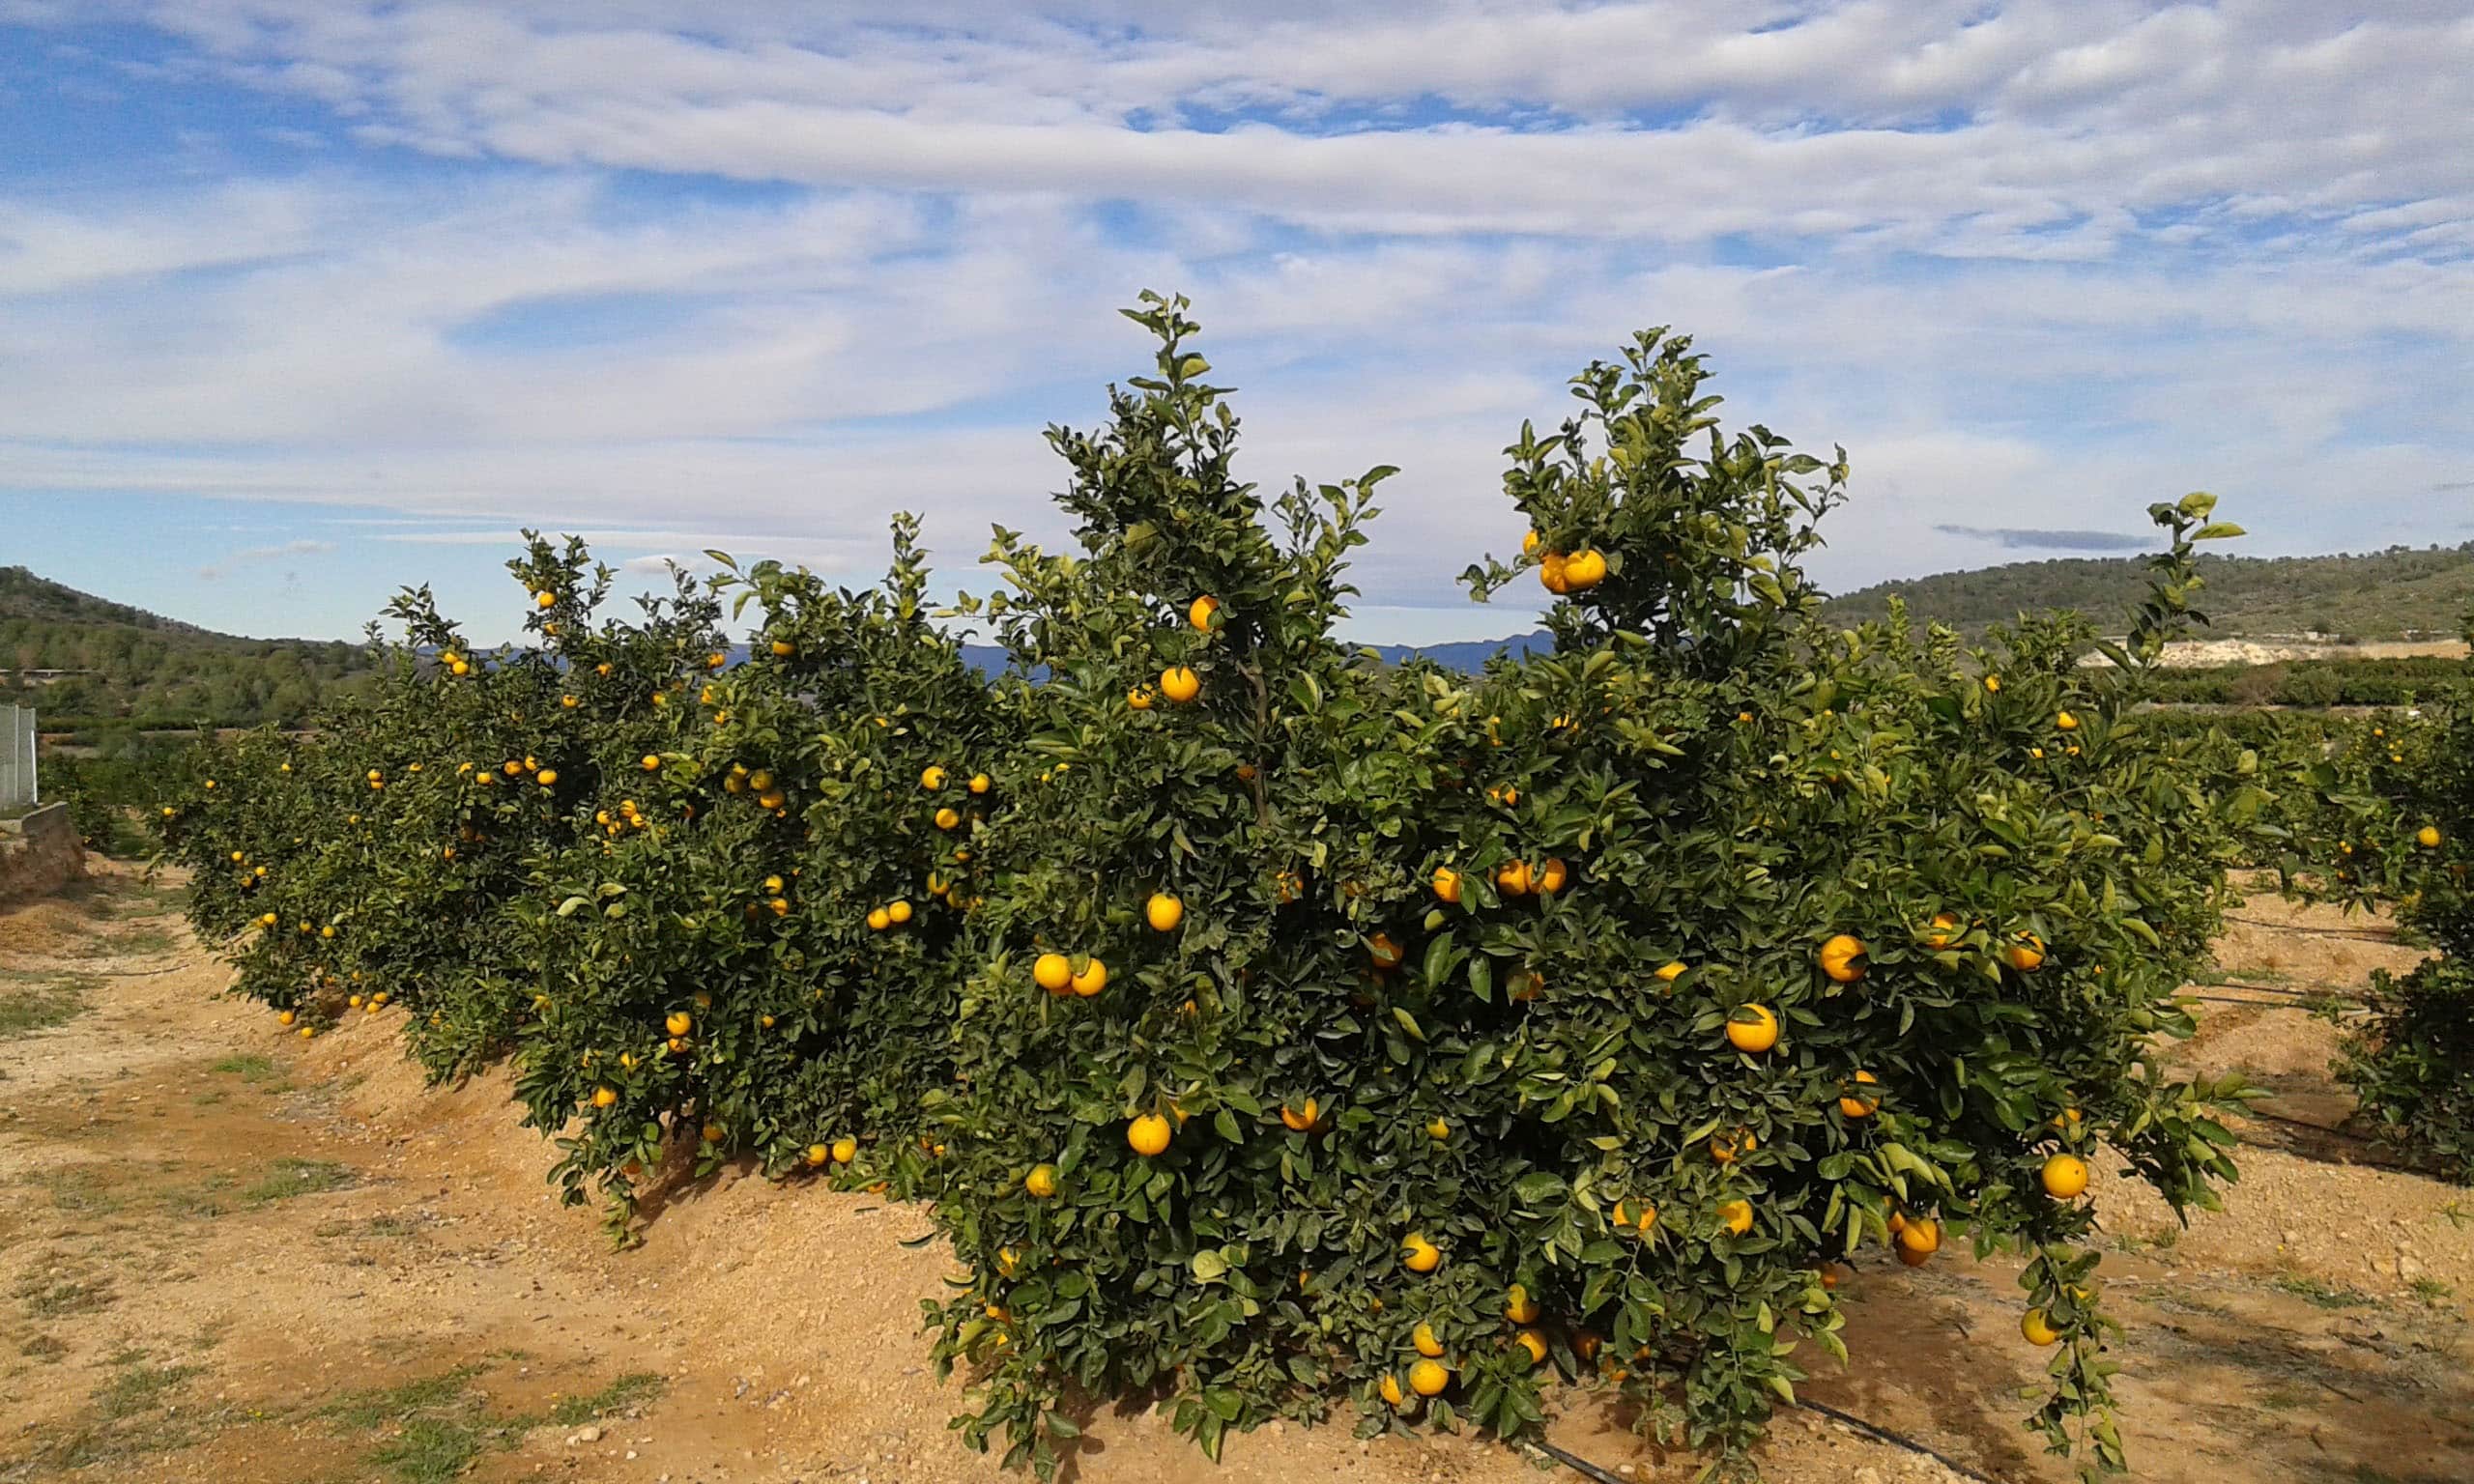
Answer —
(235, 1256)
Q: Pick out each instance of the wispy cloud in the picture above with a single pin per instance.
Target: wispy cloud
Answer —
(2019, 538)
(256, 556)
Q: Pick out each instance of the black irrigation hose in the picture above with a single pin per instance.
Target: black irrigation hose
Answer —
(2374, 934)
(1897, 1439)
(2226, 999)
(1589, 1470)
(1575, 1462)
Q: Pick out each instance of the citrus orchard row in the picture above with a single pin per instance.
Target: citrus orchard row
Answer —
(1271, 1026)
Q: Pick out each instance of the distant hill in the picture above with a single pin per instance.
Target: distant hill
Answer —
(84, 661)
(2398, 593)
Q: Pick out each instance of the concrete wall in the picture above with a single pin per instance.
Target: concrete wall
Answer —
(39, 853)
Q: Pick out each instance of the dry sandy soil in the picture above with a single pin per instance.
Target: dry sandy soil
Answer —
(235, 1256)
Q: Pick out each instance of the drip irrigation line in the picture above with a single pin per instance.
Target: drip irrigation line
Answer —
(1575, 1462)
(1897, 1439)
(2226, 999)
(2308, 991)
(2376, 934)
(2304, 1123)
(1593, 1472)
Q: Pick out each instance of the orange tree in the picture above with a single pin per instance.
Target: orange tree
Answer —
(1267, 1023)
(752, 943)
(2411, 1062)
(1343, 1028)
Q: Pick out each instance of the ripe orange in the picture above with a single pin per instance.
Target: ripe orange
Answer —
(897, 911)
(1389, 1389)
(1054, 973)
(1148, 1135)
(1945, 930)
(845, 1149)
(1736, 1216)
(2064, 1176)
(1671, 973)
(678, 1022)
(1418, 1255)
(2428, 837)
(1552, 875)
(1200, 613)
(1423, 1338)
(1838, 956)
(1428, 1378)
(879, 919)
(948, 818)
(932, 778)
(1180, 684)
(1518, 1306)
(2025, 953)
(1852, 1106)
(1447, 884)
(979, 782)
(1511, 878)
(1583, 570)
(1041, 1183)
(1533, 1342)
(1752, 1028)
(1139, 699)
(2038, 1330)
(1301, 1119)
(1164, 912)
(604, 1096)
(1552, 575)
(1093, 979)
(1385, 953)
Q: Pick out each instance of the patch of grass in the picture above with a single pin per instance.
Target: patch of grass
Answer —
(298, 1177)
(386, 1226)
(636, 1388)
(440, 1425)
(58, 1296)
(138, 1388)
(146, 940)
(367, 1411)
(2324, 1294)
(46, 1347)
(201, 1202)
(2433, 1291)
(429, 1450)
(29, 1006)
(79, 1191)
(249, 1066)
(126, 1417)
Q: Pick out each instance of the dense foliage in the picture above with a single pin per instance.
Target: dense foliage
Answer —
(1273, 1026)
(2387, 813)
(2346, 682)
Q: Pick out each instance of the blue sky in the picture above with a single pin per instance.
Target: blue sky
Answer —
(304, 299)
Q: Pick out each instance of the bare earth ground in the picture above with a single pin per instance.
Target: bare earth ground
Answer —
(234, 1256)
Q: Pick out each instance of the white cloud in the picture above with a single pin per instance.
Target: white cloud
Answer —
(2036, 268)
